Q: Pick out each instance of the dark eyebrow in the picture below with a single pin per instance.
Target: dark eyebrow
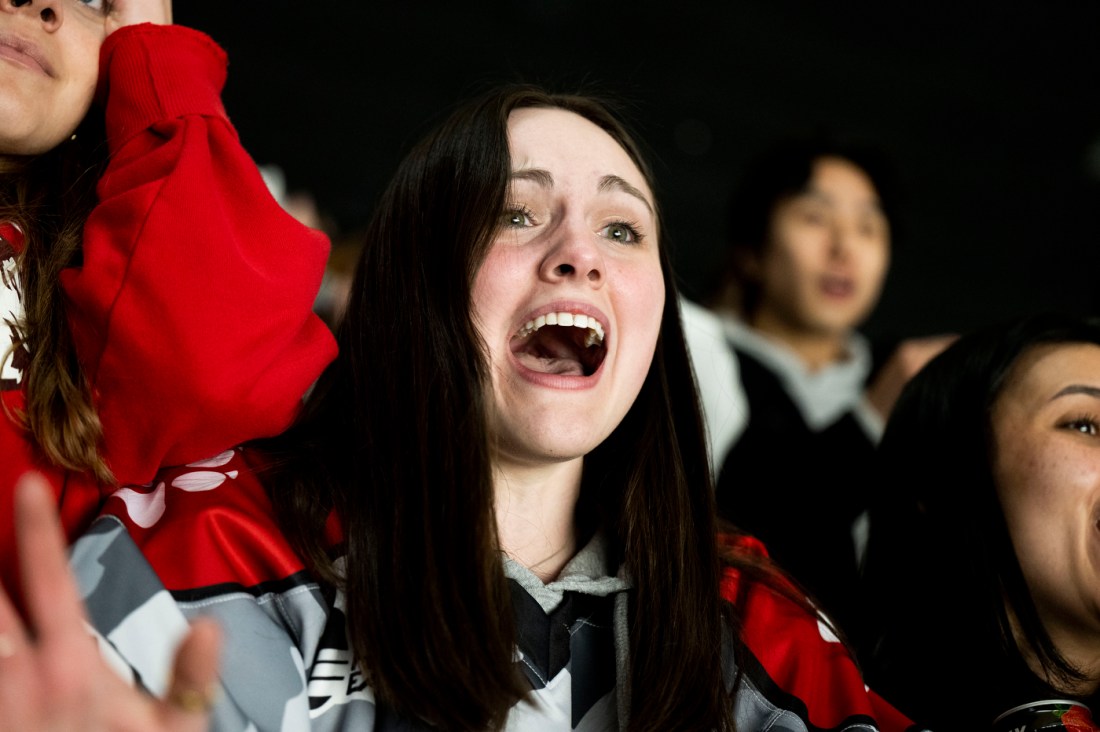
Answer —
(1091, 391)
(540, 177)
(544, 179)
(874, 205)
(615, 183)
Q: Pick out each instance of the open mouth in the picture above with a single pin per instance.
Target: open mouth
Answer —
(564, 343)
(837, 286)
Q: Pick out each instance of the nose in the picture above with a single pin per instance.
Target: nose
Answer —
(48, 10)
(842, 239)
(575, 255)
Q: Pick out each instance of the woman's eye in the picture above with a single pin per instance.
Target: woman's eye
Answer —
(516, 219)
(100, 6)
(1084, 425)
(622, 233)
(816, 218)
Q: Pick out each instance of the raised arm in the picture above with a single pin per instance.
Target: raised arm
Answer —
(192, 309)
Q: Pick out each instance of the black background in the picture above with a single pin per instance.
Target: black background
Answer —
(991, 114)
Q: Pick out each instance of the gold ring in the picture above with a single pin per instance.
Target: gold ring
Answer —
(192, 701)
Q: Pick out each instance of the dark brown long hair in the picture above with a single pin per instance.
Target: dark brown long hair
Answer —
(394, 438)
(49, 196)
(942, 575)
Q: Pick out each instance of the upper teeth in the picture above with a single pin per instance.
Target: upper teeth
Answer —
(594, 336)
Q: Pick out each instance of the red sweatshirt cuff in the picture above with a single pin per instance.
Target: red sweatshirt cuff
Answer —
(150, 73)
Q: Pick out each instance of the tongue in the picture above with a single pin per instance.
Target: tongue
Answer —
(552, 350)
(550, 365)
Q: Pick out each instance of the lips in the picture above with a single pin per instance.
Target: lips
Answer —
(561, 342)
(837, 286)
(24, 53)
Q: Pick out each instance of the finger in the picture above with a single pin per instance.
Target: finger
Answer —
(13, 636)
(192, 692)
(17, 691)
(13, 641)
(53, 603)
(16, 663)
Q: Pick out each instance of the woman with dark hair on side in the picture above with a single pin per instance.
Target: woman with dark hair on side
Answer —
(499, 490)
(982, 564)
(155, 302)
(784, 375)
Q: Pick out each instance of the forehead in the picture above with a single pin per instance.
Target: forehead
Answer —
(837, 174)
(564, 142)
(1041, 371)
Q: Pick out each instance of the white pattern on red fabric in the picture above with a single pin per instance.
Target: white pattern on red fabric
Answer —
(215, 462)
(201, 480)
(826, 632)
(144, 507)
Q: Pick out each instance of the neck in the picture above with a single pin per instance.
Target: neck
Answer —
(534, 508)
(816, 349)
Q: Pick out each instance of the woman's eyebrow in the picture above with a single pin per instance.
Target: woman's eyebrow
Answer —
(544, 179)
(538, 176)
(615, 183)
(1091, 391)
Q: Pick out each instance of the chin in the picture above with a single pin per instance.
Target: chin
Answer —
(837, 328)
(569, 447)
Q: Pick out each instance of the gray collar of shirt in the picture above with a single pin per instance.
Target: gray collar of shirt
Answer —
(822, 396)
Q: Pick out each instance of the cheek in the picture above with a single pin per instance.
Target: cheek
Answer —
(85, 65)
(791, 259)
(483, 298)
(83, 44)
(642, 308)
(777, 272)
(875, 262)
(1043, 493)
(496, 280)
(81, 70)
(1017, 488)
(1017, 469)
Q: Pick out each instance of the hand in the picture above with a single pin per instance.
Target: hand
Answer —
(52, 676)
(132, 12)
(906, 360)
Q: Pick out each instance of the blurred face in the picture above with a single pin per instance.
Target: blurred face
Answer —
(570, 296)
(1046, 427)
(822, 269)
(49, 63)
